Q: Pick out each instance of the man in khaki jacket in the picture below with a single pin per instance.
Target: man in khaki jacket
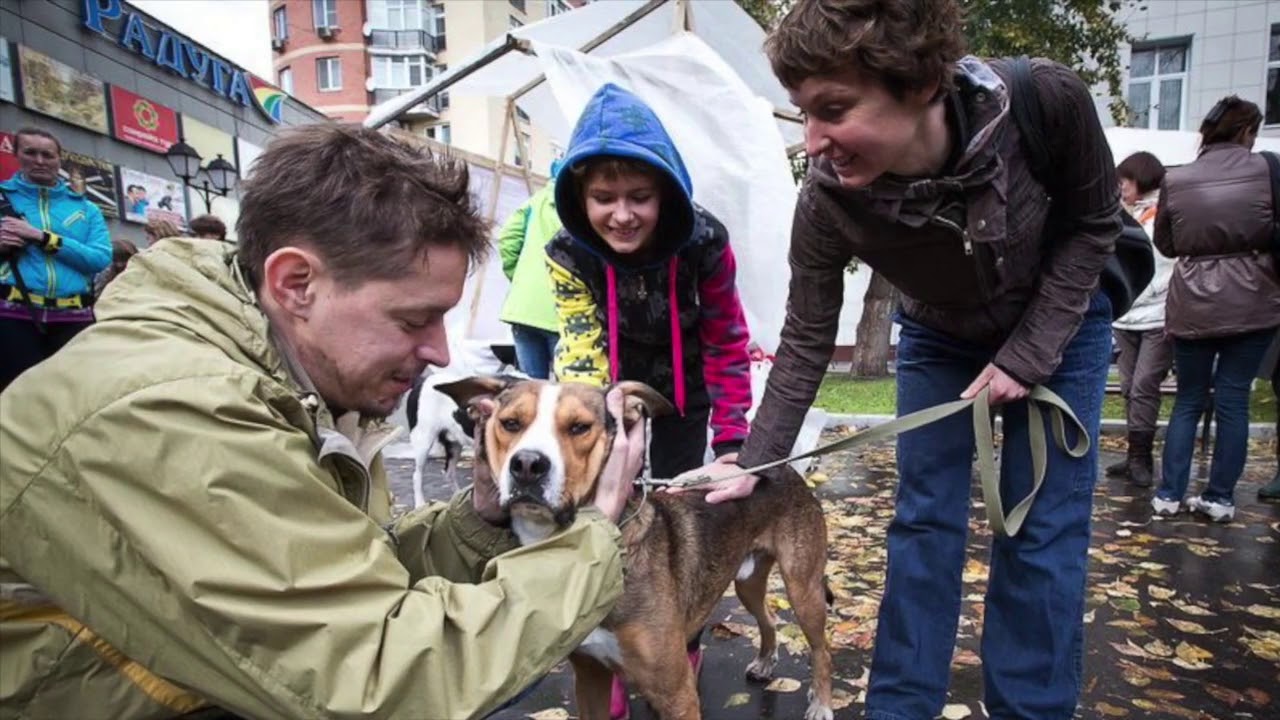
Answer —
(193, 512)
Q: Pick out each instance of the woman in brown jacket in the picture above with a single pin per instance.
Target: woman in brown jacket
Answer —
(1216, 217)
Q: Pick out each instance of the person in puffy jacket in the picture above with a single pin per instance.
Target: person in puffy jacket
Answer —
(194, 512)
(1146, 352)
(53, 242)
(1216, 217)
(529, 307)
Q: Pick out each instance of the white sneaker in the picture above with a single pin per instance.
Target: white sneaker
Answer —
(1165, 508)
(1216, 511)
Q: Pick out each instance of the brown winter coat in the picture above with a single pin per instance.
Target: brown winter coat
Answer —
(1215, 216)
(967, 250)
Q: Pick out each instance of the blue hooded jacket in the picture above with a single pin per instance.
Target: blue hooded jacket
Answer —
(81, 245)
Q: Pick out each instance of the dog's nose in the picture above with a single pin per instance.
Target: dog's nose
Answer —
(529, 467)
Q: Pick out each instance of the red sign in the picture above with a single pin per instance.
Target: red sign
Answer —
(8, 157)
(141, 122)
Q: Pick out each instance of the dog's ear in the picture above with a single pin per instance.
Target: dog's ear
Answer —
(640, 400)
(476, 394)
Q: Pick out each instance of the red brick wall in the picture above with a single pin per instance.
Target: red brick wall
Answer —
(304, 47)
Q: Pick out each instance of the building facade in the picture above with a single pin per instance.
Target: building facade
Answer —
(344, 57)
(118, 88)
(1188, 54)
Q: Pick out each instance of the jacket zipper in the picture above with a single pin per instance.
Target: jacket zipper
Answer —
(984, 282)
(50, 273)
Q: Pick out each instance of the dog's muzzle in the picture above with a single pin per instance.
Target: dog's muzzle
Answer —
(529, 470)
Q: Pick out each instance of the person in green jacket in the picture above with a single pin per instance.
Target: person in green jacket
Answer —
(202, 520)
(529, 307)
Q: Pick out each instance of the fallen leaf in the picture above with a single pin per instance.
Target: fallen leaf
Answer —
(1160, 593)
(1190, 609)
(783, 685)
(1158, 649)
(1169, 695)
(818, 478)
(1192, 657)
(550, 714)
(1193, 628)
(1264, 611)
(1258, 697)
(1129, 649)
(841, 699)
(1110, 710)
(1126, 604)
(1224, 695)
(737, 699)
(956, 711)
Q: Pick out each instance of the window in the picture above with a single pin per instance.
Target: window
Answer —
(400, 14)
(522, 114)
(285, 80)
(443, 98)
(517, 4)
(1273, 78)
(280, 23)
(437, 15)
(519, 157)
(441, 133)
(1158, 85)
(513, 22)
(324, 13)
(401, 71)
(557, 7)
(328, 74)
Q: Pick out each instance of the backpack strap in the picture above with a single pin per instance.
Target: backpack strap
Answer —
(1024, 105)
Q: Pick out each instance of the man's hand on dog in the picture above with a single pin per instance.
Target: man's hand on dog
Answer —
(721, 490)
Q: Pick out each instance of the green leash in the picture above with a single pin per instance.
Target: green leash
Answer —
(1041, 400)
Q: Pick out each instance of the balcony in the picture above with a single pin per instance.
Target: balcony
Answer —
(405, 40)
(431, 107)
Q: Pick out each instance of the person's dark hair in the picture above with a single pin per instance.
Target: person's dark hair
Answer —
(208, 226)
(1144, 169)
(904, 44)
(34, 132)
(122, 250)
(131, 188)
(369, 204)
(1230, 120)
(611, 167)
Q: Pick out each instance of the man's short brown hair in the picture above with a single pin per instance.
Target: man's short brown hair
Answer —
(904, 44)
(210, 227)
(369, 204)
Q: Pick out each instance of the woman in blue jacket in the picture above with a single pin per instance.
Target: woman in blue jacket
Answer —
(52, 243)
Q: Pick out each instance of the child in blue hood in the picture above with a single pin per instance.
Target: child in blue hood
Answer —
(643, 280)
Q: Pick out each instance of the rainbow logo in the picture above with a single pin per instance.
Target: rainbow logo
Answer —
(270, 98)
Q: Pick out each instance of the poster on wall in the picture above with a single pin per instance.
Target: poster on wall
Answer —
(209, 141)
(139, 121)
(59, 90)
(94, 178)
(147, 197)
(8, 156)
(6, 72)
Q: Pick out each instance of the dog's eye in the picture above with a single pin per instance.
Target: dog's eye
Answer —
(511, 425)
(579, 428)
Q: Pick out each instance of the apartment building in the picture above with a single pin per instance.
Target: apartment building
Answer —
(343, 57)
(1188, 54)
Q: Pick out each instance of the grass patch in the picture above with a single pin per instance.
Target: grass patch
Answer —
(857, 396)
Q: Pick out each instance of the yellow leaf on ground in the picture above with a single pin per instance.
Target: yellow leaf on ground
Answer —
(737, 699)
(1158, 649)
(1110, 710)
(1264, 611)
(841, 699)
(818, 478)
(1160, 593)
(783, 685)
(550, 714)
(956, 711)
(1194, 628)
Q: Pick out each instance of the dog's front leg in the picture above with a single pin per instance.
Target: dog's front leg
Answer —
(591, 684)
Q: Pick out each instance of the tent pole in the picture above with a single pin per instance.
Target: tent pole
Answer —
(682, 20)
(525, 152)
(494, 192)
(599, 40)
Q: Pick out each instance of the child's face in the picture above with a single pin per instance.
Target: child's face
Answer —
(624, 210)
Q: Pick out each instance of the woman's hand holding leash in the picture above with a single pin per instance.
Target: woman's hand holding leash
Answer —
(721, 490)
(1003, 388)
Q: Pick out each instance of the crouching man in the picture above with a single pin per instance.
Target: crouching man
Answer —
(192, 504)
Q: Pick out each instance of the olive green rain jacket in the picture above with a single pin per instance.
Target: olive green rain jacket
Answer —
(182, 525)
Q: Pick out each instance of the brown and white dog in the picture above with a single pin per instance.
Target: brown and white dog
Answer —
(546, 446)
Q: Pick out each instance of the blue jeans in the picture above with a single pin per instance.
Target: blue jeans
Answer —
(1238, 359)
(535, 350)
(1033, 636)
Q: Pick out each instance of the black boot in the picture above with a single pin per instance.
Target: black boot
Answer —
(1271, 491)
(1141, 464)
(1118, 469)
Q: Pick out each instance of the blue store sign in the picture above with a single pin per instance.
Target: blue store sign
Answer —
(179, 55)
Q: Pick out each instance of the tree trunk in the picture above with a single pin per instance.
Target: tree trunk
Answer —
(871, 353)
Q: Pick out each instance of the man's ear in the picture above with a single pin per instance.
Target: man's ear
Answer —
(289, 277)
(477, 394)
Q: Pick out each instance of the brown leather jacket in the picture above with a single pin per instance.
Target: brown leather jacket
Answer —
(967, 250)
(1215, 216)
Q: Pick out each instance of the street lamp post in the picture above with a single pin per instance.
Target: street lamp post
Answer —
(217, 178)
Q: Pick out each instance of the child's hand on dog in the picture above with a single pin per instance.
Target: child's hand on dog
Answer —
(626, 459)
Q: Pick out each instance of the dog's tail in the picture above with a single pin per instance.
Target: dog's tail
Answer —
(411, 404)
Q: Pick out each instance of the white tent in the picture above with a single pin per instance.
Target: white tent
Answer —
(1172, 147)
(701, 67)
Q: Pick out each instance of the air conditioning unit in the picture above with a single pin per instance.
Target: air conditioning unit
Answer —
(326, 31)
(277, 44)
